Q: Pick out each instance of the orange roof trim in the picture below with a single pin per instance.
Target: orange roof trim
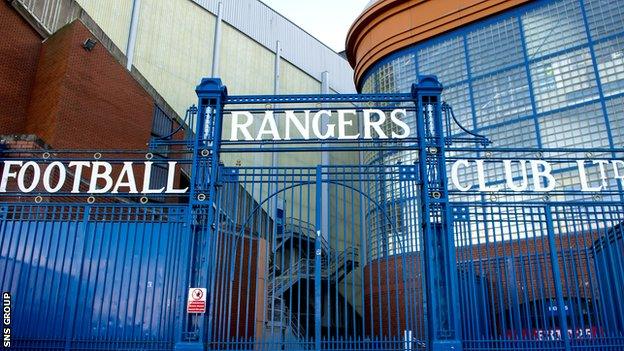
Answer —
(391, 25)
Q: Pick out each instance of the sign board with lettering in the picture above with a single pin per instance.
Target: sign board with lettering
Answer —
(196, 300)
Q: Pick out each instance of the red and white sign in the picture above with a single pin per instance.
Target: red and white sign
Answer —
(196, 300)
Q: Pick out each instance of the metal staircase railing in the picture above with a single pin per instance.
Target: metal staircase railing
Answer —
(335, 266)
(303, 268)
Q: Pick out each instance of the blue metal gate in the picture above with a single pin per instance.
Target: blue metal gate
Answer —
(332, 244)
(94, 277)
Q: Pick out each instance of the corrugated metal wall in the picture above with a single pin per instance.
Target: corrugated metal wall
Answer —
(85, 276)
(266, 26)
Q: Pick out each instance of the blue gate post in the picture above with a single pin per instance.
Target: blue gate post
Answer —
(211, 94)
(443, 319)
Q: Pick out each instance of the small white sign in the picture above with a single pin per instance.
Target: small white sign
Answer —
(196, 300)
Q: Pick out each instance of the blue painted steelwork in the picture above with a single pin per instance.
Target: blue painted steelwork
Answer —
(407, 262)
(93, 277)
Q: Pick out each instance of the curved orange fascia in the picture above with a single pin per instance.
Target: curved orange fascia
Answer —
(390, 25)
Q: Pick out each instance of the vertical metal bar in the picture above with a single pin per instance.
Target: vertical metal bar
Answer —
(317, 259)
(554, 261)
(134, 23)
(325, 161)
(76, 271)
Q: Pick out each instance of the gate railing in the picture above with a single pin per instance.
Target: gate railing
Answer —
(457, 262)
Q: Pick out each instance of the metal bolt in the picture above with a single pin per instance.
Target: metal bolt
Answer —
(149, 156)
(205, 152)
(201, 197)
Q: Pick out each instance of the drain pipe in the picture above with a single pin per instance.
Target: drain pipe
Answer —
(216, 49)
(134, 22)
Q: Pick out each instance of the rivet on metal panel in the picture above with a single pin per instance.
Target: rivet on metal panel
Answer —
(38, 199)
(546, 198)
(205, 152)
(90, 199)
(539, 154)
(488, 154)
(201, 197)
(46, 155)
(149, 156)
(97, 155)
(144, 200)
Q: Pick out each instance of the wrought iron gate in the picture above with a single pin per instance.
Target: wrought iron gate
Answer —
(326, 244)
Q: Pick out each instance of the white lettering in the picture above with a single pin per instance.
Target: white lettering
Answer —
(171, 178)
(509, 176)
(47, 177)
(342, 124)
(302, 128)
(97, 174)
(545, 173)
(21, 177)
(402, 125)
(376, 125)
(455, 175)
(147, 176)
(242, 127)
(126, 173)
(7, 173)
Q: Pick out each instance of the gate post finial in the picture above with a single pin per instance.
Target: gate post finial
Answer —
(211, 87)
(427, 84)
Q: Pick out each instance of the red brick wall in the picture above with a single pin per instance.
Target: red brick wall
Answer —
(19, 46)
(86, 99)
(385, 282)
(239, 278)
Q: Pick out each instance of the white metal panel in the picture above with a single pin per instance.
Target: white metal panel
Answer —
(266, 26)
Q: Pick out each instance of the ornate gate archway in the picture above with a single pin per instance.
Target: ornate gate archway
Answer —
(431, 240)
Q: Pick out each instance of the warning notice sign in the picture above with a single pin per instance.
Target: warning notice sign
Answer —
(196, 300)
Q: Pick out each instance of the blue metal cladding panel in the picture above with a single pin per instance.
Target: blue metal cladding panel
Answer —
(93, 276)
